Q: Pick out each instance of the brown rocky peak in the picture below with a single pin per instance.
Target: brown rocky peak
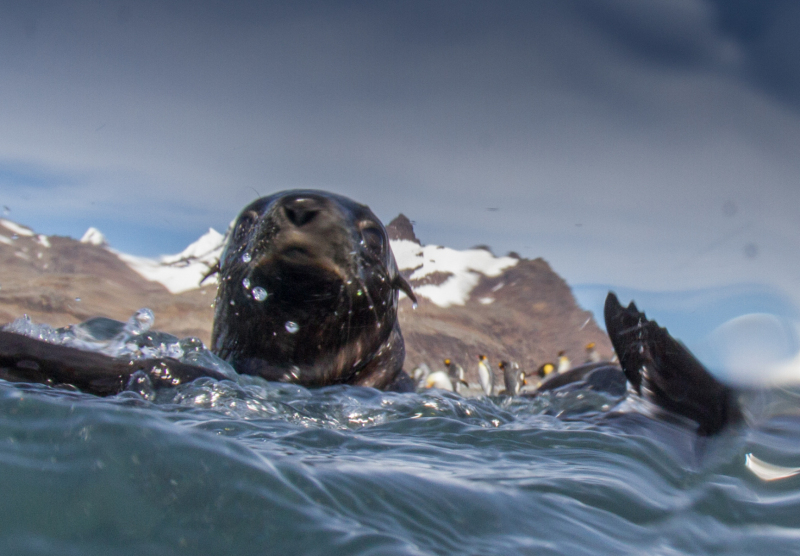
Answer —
(401, 228)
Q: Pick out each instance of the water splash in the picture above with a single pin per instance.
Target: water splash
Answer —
(140, 322)
(132, 340)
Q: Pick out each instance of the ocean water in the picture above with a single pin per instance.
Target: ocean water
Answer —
(250, 467)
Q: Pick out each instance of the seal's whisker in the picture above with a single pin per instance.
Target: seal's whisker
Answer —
(369, 298)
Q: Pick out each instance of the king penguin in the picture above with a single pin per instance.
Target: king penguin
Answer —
(441, 380)
(591, 353)
(513, 377)
(485, 375)
(456, 373)
(564, 364)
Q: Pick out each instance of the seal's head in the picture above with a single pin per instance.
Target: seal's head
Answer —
(308, 293)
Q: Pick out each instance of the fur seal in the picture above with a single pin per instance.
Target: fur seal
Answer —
(309, 292)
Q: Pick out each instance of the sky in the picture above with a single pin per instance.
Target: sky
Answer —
(642, 145)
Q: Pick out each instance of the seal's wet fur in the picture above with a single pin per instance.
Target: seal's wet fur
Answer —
(331, 285)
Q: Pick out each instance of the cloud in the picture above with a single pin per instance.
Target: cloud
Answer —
(610, 135)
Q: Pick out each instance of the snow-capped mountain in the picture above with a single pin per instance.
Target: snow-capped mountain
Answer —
(439, 274)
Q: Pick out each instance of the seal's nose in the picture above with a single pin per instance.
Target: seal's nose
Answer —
(301, 210)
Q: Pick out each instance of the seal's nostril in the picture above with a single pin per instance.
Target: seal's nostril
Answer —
(300, 211)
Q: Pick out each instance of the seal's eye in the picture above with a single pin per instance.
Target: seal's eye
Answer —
(373, 239)
(243, 226)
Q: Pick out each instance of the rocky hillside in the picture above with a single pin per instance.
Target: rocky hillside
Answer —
(470, 302)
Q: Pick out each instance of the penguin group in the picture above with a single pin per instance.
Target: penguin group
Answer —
(516, 381)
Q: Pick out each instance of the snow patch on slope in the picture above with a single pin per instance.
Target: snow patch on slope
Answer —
(184, 271)
(465, 267)
(16, 228)
(93, 236)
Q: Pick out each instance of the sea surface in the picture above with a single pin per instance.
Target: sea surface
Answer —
(249, 467)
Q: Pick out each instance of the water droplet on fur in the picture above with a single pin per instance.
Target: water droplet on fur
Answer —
(246, 283)
(291, 327)
(414, 305)
(359, 293)
(246, 258)
(233, 303)
(259, 293)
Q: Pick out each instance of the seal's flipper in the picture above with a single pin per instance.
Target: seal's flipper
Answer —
(24, 359)
(664, 371)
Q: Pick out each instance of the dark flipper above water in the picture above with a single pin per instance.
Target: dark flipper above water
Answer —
(24, 359)
(661, 369)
